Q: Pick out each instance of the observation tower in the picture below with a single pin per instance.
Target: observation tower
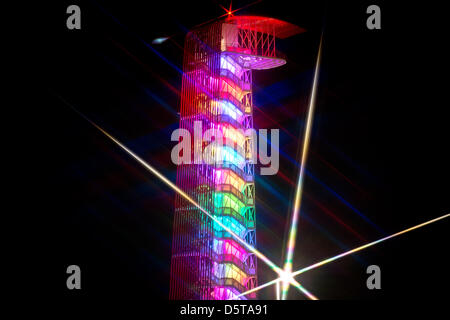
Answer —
(207, 262)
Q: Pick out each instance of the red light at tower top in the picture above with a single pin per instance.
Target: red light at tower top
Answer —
(229, 12)
(207, 263)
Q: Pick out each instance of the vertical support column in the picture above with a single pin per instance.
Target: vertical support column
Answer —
(249, 189)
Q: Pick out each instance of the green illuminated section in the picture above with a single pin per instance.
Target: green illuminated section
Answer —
(228, 200)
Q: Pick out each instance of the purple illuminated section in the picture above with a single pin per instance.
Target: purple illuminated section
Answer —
(255, 62)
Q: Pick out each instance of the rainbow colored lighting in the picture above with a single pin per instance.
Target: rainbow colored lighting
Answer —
(215, 258)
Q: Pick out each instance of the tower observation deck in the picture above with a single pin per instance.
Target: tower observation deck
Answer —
(207, 262)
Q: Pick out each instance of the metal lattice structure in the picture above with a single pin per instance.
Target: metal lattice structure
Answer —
(207, 262)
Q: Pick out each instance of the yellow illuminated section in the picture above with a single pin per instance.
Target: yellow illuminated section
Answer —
(229, 133)
(227, 85)
(230, 271)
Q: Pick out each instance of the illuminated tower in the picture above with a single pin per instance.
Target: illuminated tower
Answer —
(207, 263)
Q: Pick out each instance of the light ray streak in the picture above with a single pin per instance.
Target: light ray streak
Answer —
(298, 194)
(297, 285)
(187, 197)
(326, 261)
(257, 253)
(323, 262)
(277, 290)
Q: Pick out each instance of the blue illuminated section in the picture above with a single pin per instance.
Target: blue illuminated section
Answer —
(229, 109)
(228, 154)
(230, 223)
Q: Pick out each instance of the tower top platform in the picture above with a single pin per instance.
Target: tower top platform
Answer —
(250, 40)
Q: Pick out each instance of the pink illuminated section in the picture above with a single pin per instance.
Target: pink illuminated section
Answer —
(238, 50)
(223, 293)
(229, 247)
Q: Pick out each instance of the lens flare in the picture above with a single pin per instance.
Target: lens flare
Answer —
(323, 262)
(298, 193)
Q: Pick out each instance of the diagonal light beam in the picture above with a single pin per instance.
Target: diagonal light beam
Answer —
(257, 253)
(298, 194)
(323, 262)
(339, 256)
(185, 196)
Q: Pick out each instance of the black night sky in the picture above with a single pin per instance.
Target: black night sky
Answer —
(378, 159)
